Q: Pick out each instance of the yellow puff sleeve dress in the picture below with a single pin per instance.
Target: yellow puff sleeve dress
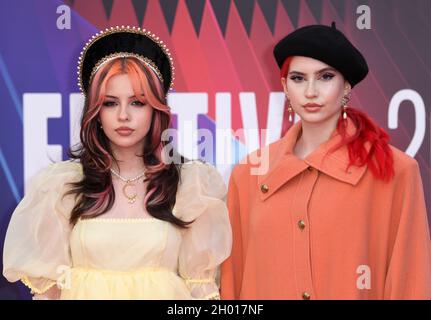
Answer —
(119, 258)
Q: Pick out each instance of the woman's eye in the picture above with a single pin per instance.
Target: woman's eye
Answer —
(109, 103)
(137, 103)
(327, 76)
(296, 78)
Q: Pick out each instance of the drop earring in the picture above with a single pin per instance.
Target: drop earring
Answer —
(289, 109)
(344, 102)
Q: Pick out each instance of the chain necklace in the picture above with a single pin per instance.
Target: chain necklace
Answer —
(129, 183)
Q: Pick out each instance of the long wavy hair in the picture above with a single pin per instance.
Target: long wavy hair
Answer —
(378, 157)
(95, 192)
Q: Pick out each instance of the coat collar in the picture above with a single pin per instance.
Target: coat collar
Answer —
(284, 165)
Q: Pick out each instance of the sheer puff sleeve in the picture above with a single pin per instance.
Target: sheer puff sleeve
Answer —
(208, 240)
(36, 248)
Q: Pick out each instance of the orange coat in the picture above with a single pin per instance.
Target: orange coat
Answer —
(309, 229)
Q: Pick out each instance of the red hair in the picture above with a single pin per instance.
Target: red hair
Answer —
(368, 146)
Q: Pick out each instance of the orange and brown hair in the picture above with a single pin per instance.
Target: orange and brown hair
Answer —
(95, 193)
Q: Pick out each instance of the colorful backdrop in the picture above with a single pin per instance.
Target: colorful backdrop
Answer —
(226, 77)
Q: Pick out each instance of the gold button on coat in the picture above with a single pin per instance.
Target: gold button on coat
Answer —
(264, 188)
(306, 296)
(301, 224)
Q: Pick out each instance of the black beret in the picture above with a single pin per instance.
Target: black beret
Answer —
(326, 44)
(123, 41)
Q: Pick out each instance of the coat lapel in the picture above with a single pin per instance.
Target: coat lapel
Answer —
(284, 165)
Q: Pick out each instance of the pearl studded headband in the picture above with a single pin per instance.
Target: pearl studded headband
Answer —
(124, 41)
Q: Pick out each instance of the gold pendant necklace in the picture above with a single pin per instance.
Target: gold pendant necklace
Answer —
(132, 198)
(129, 183)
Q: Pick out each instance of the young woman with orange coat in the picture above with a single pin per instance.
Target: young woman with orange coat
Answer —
(340, 213)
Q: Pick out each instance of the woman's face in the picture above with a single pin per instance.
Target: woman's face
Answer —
(120, 108)
(315, 90)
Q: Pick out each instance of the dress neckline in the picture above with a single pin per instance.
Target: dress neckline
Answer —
(152, 219)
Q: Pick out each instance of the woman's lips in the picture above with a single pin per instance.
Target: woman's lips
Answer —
(312, 107)
(124, 132)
